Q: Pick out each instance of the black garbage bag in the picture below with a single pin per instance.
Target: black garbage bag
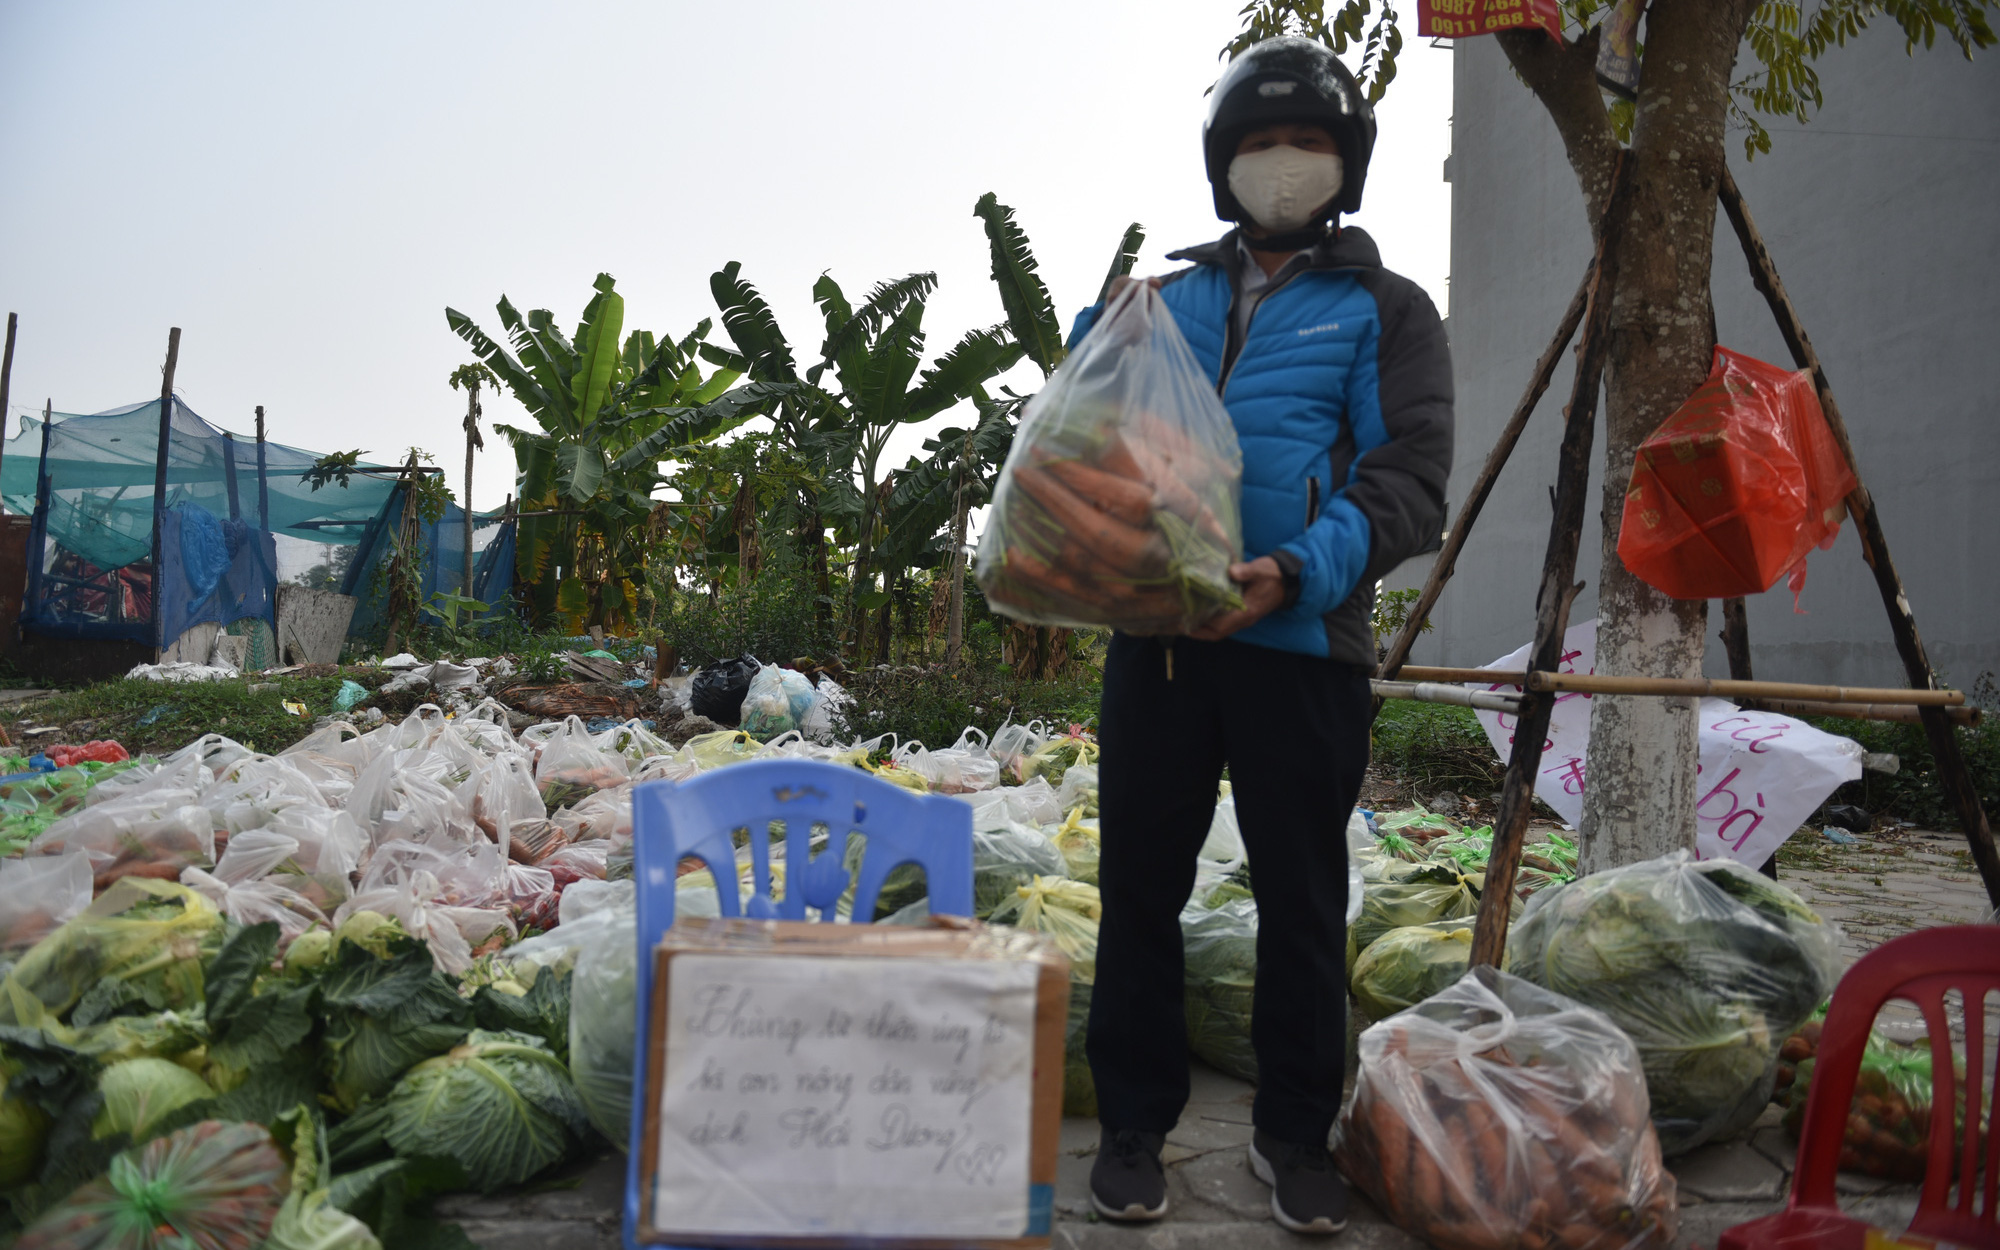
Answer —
(717, 691)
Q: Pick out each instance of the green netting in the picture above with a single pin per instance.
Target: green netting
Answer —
(90, 480)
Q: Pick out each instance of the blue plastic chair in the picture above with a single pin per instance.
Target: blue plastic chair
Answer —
(697, 819)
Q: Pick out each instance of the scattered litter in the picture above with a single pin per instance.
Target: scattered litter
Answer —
(1885, 762)
(344, 699)
(1838, 836)
(401, 660)
(296, 709)
(1848, 816)
(154, 713)
(180, 670)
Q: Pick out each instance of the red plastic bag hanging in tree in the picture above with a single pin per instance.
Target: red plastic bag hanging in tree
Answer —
(1734, 489)
(1456, 19)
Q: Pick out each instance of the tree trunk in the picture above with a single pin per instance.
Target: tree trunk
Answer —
(465, 506)
(1641, 796)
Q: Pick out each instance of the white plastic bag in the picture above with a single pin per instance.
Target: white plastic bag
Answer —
(767, 708)
(829, 700)
(573, 765)
(39, 893)
(1119, 502)
(450, 931)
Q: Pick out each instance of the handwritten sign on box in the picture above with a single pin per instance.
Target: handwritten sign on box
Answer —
(815, 1097)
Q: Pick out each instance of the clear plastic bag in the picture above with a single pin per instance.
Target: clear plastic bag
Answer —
(507, 796)
(603, 1004)
(767, 709)
(1497, 1115)
(1069, 912)
(1120, 501)
(1707, 965)
(829, 700)
(213, 1185)
(1081, 845)
(1033, 804)
(1079, 790)
(450, 931)
(606, 814)
(1012, 743)
(1220, 972)
(1403, 967)
(152, 831)
(38, 893)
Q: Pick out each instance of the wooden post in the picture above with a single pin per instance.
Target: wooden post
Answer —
(160, 482)
(1482, 487)
(1953, 776)
(1552, 601)
(1736, 638)
(954, 633)
(6, 387)
(472, 441)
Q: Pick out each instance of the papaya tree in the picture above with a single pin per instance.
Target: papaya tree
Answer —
(605, 411)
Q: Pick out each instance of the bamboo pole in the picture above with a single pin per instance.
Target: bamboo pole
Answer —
(1676, 687)
(1434, 692)
(1895, 713)
(472, 441)
(6, 388)
(1482, 486)
(1952, 773)
(1558, 590)
(160, 481)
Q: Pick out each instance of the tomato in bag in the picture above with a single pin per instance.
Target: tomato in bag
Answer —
(1735, 488)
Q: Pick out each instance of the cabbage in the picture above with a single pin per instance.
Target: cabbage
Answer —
(1067, 911)
(139, 1093)
(24, 1128)
(1706, 965)
(603, 998)
(1221, 983)
(501, 1106)
(1405, 966)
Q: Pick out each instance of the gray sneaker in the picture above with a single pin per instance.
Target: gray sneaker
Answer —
(1128, 1182)
(1307, 1195)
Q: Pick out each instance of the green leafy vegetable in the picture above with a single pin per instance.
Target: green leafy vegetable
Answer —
(1707, 966)
(542, 1012)
(1405, 966)
(1220, 945)
(140, 1093)
(385, 1014)
(501, 1106)
(215, 1186)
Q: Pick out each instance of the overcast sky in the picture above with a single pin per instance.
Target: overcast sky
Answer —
(304, 189)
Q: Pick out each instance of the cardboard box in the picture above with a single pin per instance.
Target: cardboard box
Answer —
(827, 1085)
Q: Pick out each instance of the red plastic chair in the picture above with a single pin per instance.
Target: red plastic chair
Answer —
(1921, 967)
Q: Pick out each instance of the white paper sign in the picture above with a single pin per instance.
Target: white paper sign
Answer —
(815, 1096)
(1760, 774)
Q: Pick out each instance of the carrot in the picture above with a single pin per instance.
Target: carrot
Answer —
(1116, 458)
(1105, 595)
(1116, 496)
(1172, 492)
(1124, 547)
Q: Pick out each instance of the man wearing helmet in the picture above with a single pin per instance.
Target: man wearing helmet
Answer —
(1336, 375)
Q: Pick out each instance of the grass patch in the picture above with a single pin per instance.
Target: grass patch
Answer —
(934, 706)
(1913, 793)
(1436, 746)
(182, 712)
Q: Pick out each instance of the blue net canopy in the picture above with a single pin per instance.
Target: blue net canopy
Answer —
(90, 481)
(443, 568)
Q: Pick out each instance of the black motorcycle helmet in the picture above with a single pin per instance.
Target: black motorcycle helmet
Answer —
(1288, 79)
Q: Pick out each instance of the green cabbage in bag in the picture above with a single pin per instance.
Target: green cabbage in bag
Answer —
(1405, 966)
(1708, 967)
(1067, 911)
(1220, 946)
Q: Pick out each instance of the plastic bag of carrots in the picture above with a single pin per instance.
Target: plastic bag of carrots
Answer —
(1499, 1114)
(1120, 503)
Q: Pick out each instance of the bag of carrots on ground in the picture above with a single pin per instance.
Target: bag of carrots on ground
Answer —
(1499, 1114)
(1120, 503)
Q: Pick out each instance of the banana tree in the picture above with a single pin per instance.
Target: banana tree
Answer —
(606, 411)
(841, 411)
(971, 460)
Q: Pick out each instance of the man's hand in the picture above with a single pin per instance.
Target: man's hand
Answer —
(1263, 584)
(1119, 283)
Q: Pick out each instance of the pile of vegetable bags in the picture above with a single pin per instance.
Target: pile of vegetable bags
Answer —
(1496, 1115)
(1888, 1125)
(1424, 877)
(1707, 966)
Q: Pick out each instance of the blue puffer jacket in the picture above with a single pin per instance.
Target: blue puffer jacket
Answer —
(1342, 400)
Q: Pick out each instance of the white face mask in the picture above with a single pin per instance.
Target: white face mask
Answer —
(1282, 187)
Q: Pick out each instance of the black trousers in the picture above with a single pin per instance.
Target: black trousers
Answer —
(1293, 731)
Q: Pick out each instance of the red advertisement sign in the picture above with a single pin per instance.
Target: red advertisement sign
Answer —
(1456, 19)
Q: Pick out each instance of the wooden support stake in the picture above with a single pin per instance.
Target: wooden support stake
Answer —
(1678, 687)
(1558, 589)
(1736, 638)
(160, 641)
(473, 442)
(1952, 773)
(6, 387)
(1482, 486)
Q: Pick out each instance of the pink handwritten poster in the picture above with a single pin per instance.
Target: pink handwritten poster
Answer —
(1761, 774)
